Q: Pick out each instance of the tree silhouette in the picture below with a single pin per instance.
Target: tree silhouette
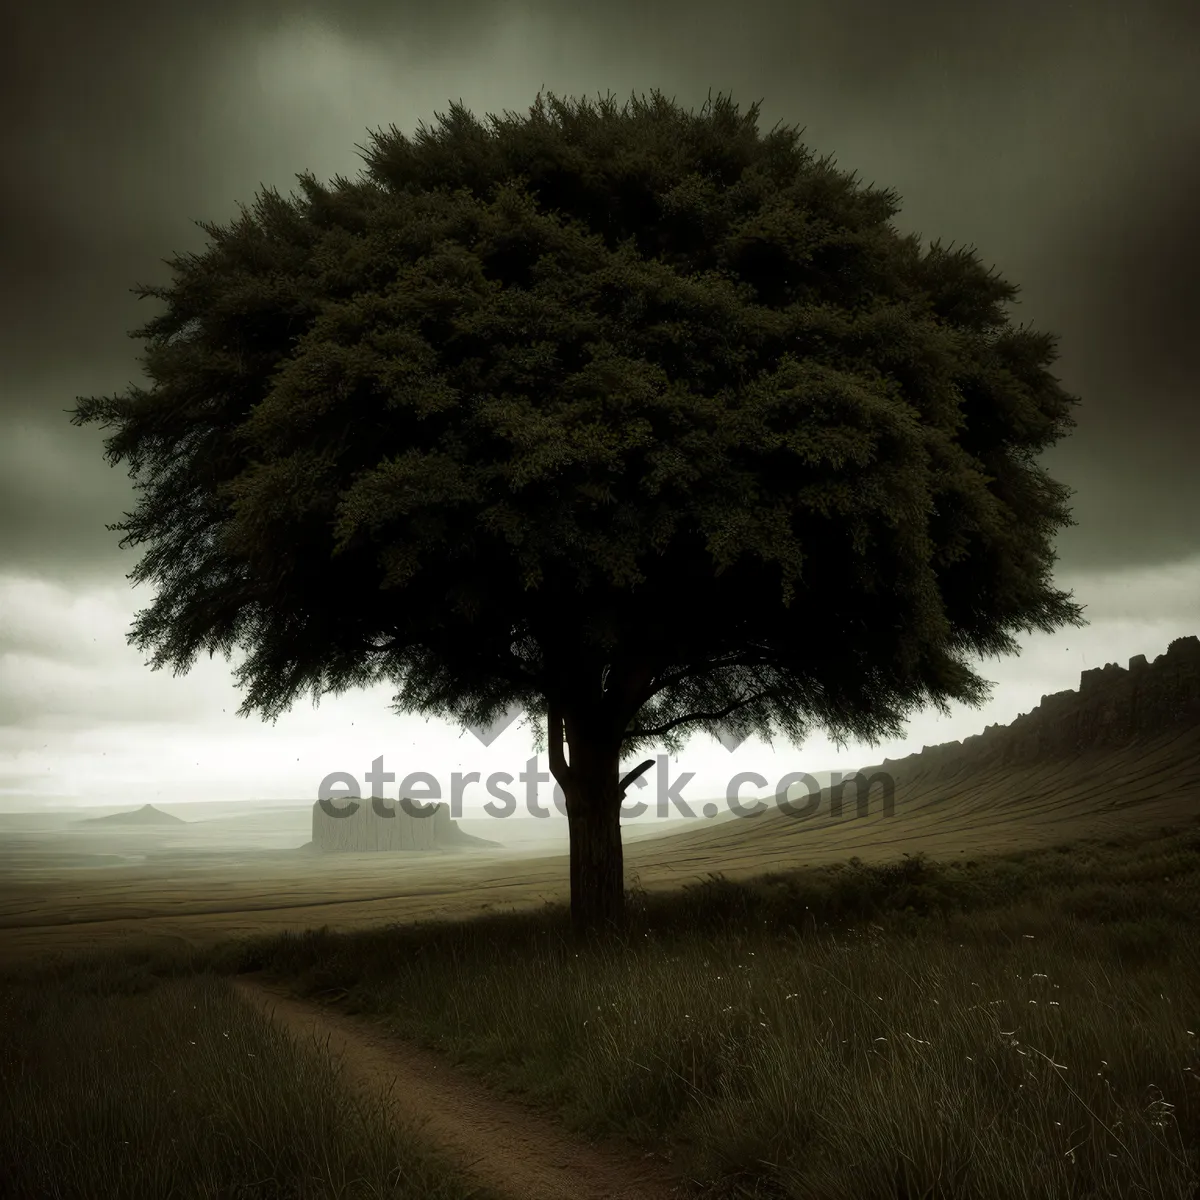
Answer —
(633, 417)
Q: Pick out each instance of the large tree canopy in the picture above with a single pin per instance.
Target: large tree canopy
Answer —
(633, 417)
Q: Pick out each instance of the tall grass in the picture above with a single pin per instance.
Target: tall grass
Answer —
(1019, 1027)
(115, 1083)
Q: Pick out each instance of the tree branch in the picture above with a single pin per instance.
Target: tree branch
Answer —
(637, 771)
(735, 658)
(701, 716)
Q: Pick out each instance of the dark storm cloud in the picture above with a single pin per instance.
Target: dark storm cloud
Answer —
(1056, 137)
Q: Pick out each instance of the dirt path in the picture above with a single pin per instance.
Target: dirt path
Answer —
(509, 1148)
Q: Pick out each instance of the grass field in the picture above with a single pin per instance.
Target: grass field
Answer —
(992, 994)
(121, 1081)
(1021, 1025)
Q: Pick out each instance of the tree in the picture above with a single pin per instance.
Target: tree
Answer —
(638, 419)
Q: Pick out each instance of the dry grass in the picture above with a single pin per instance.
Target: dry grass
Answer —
(1018, 1027)
(1013, 1016)
(119, 1084)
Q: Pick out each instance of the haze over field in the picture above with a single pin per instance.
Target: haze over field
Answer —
(998, 125)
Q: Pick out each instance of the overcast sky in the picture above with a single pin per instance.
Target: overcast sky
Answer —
(1063, 140)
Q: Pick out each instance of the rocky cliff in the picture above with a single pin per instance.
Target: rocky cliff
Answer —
(386, 825)
(1114, 706)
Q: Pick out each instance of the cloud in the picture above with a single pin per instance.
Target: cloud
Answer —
(81, 713)
(998, 125)
(1053, 136)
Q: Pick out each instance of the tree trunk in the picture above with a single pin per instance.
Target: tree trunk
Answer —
(590, 784)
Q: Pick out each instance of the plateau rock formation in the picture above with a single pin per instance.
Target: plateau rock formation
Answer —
(354, 826)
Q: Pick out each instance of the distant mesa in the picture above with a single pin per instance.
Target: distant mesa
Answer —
(146, 815)
(385, 825)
